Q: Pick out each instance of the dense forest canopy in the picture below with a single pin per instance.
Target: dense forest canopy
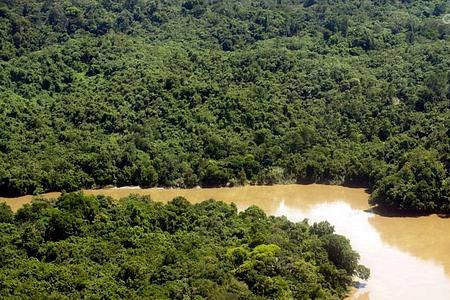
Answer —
(90, 247)
(196, 92)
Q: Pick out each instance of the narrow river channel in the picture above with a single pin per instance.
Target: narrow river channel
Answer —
(409, 257)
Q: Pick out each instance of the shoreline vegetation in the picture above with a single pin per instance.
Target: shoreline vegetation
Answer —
(379, 210)
(376, 209)
(145, 191)
(197, 92)
(91, 246)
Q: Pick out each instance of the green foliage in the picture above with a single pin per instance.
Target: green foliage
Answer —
(418, 184)
(215, 93)
(6, 214)
(91, 247)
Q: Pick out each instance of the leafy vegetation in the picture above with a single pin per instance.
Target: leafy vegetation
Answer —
(195, 92)
(92, 247)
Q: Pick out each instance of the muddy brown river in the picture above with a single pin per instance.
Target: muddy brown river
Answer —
(409, 257)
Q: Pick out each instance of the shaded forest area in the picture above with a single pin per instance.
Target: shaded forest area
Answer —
(210, 93)
(91, 247)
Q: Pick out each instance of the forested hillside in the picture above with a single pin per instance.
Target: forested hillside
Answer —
(89, 247)
(196, 92)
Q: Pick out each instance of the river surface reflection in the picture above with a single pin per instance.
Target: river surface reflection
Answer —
(409, 257)
(395, 274)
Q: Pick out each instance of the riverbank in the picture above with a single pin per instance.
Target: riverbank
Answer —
(298, 193)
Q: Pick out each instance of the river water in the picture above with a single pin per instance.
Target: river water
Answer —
(409, 257)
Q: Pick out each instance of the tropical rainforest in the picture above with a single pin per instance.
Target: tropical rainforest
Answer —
(91, 247)
(222, 92)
